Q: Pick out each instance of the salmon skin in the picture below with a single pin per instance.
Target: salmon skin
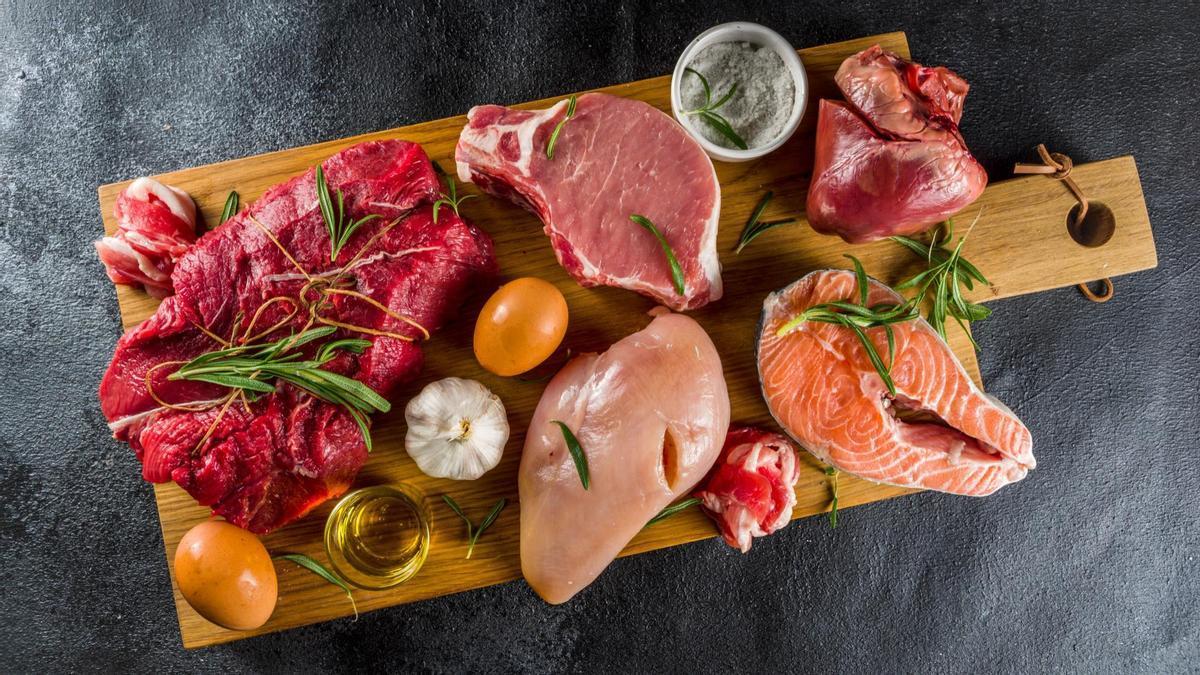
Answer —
(940, 432)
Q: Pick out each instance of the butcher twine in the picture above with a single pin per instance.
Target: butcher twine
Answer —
(1058, 166)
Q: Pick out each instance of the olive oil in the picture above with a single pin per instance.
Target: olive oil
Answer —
(378, 536)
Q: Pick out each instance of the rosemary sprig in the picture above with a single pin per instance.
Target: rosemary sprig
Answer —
(339, 227)
(252, 367)
(673, 509)
(754, 228)
(450, 198)
(858, 317)
(319, 570)
(576, 450)
(947, 271)
(708, 111)
(473, 532)
(833, 490)
(558, 128)
(676, 270)
(231, 207)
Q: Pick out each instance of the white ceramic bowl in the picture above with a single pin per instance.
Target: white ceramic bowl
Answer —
(740, 31)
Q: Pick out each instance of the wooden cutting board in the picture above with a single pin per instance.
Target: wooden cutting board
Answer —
(1020, 243)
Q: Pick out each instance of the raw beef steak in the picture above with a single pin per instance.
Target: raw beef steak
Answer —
(614, 158)
(263, 466)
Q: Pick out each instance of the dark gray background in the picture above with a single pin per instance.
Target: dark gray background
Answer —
(1087, 565)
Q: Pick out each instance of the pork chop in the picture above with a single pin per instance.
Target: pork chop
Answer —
(614, 158)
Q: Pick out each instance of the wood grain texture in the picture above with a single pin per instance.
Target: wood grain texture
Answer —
(1020, 243)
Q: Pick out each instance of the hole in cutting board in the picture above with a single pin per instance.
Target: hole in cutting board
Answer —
(1097, 227)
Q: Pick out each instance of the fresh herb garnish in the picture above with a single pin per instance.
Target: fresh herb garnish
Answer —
(947, 271)
(231, 207)
(576, 450)
(473, 533)
(340, 229)
(676, 270)
(858, 317)
(754, 228)
(833, 490)
(673, 509)
(250, 368)
(558, 127)
(450, 198)
(319, 570)
(708, 111)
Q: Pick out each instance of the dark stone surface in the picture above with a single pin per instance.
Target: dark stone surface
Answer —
(1087, 565)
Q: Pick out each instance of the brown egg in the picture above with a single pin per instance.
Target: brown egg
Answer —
(226, 574)
(520, 326)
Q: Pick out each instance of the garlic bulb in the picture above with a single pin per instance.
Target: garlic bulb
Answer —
(456, 429)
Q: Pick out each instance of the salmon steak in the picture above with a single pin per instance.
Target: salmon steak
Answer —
(650, 415)
(939, 432)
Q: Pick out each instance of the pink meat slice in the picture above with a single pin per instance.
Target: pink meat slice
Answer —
(650, 414)
(752, 489)
(156, 224)
(940, 432)
(264, 467)
(614, 158)
(892, 160)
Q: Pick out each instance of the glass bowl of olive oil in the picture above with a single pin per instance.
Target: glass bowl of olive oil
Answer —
(378, 537)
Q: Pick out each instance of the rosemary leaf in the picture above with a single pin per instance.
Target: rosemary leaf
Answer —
(708, 111)
(319, 570)
(860, 279)
(673, 509)
(339, 229)
(703, 83)
(581, 463)
(676, 270)
(458, 510)
(231, 207)
(724, 128)
(833, 490)
(942, 281)
(450, 198)
(250, 368)
(473, 533)
(487, 522)
(558, 128)
(858, 318)
(754, 228)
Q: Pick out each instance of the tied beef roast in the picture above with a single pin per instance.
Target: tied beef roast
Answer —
(613, 158)
(268, 462)
(891, 160)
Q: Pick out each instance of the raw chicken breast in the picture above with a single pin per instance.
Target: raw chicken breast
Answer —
(651, 415)
(940, 432)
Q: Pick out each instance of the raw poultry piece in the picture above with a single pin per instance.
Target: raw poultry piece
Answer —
(613, 158)
(650, 415)
(939, 432)
(752, 489)
(891, 159)
(264, 275)
(156, 224)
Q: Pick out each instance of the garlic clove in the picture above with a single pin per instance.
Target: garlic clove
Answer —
(457, 429)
